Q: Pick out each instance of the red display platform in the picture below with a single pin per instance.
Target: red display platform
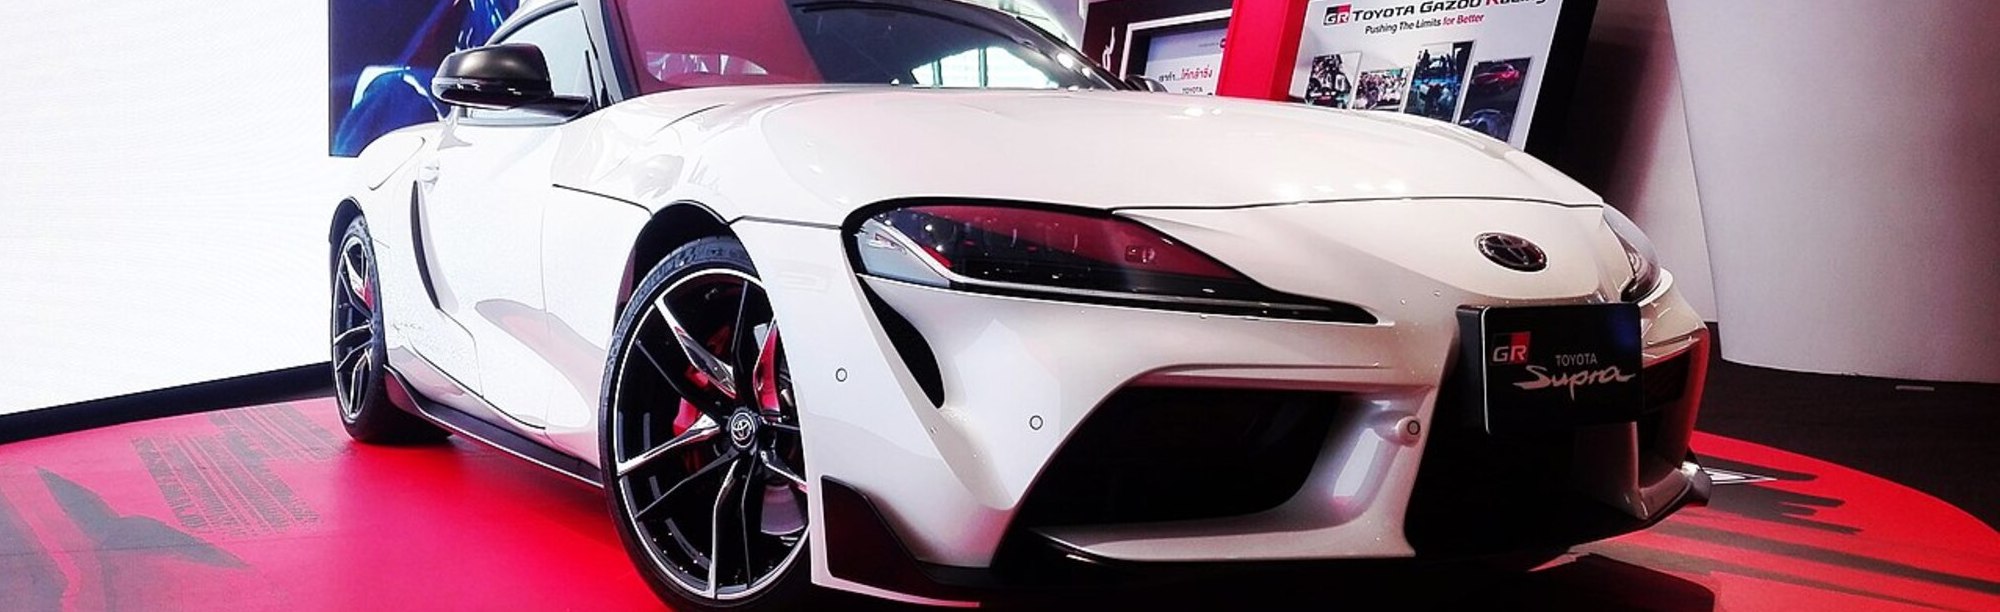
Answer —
(274, 508)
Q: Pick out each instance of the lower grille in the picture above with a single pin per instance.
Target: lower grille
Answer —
(1478, 493)
(1667, 424)
(1665, 382)
(1160, 454)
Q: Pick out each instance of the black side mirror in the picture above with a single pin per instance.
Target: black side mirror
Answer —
(1145, 83)
(501, 77)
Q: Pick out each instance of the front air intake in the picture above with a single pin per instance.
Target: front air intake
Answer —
(910, 347)
(1165, 454)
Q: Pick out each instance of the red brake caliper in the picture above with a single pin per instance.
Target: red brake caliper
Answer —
(688, 414)
(683, 421)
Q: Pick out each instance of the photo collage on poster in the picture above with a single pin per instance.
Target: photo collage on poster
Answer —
(1332, 80)
(1440, 82)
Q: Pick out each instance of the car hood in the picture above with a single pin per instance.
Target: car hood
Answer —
(853, 146)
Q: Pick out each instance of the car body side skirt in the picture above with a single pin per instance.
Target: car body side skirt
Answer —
(406, 397)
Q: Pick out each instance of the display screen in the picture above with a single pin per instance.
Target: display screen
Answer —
(166, 193)
(1477, 64)
(381, 55)
(1187, 61)
(169, 173)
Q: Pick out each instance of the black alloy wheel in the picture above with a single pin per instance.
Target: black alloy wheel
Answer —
(704, 458)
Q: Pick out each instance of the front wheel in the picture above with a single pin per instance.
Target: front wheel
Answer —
(701, 441)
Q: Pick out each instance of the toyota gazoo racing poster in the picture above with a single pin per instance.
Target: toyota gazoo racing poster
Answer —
(1471, 62)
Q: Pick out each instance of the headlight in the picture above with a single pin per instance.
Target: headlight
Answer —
(1638, 252)
(1079, 256)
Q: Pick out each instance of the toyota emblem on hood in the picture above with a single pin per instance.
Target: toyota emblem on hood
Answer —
(1513, 252)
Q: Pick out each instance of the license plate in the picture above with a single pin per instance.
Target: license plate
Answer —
(1552, 367)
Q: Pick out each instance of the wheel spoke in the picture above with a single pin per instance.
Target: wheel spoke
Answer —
(720, 376)
(366, 330)
(742, 337)
(343, 387)
(765, 371)
(715, 533)
(725, 460)
(354, 271)
(702, 430)
(348, 362)
(353, 274)
(707, 403)
(360, 305)
(356, 377)
(776, 466)
(744, 521)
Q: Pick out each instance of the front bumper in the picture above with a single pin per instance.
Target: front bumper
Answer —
(1007, 364)
(1016, 379)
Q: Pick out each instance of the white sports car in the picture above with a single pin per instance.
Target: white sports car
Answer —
(906, 298)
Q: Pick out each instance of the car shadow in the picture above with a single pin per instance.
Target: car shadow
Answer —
(1586, 582)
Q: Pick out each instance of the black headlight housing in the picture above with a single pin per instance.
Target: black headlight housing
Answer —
(1639, 253)
(1069, 254)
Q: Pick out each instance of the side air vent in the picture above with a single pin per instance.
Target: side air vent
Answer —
(910, 346)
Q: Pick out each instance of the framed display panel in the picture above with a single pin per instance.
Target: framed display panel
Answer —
(1183, 53)
(1502, 68)
(1106, 23)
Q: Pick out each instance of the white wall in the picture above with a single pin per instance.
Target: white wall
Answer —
(1847, 153)
(164, 195)
(1627, 138)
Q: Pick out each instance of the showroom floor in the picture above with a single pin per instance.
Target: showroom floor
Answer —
(271, 507)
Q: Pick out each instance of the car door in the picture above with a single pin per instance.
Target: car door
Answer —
(489, 180)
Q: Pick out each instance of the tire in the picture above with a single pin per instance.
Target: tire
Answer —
(687, 448)
(359, 372)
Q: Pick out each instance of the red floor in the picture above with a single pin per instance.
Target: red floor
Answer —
(273, 508)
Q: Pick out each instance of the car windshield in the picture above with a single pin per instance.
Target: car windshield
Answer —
(678, 44)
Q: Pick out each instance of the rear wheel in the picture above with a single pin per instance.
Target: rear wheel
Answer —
(359, 354)
(701, 438)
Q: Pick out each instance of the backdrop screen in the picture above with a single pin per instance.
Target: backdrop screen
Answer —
(381, 55)
(166, 182)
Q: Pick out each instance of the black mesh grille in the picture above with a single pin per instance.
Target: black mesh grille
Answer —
(1478, 493)
(1665, 382)
(1663, 429)
(1155, 454)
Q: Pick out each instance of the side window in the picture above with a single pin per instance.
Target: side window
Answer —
(565, 44)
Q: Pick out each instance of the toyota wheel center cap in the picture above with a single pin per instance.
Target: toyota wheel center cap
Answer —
(742, 429)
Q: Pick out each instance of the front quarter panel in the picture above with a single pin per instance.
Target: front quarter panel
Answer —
(382, 186)
(587, 244)
(866, 420)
